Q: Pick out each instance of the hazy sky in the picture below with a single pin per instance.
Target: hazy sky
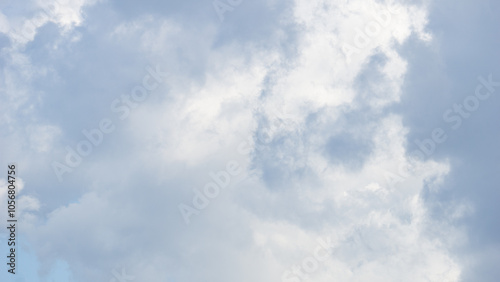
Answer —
(236, 140)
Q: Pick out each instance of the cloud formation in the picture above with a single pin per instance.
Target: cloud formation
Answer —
(279, 147)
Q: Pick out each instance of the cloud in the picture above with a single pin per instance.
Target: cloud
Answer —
(313, 101)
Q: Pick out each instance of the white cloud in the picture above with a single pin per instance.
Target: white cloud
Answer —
(255, 230)
(66, 14)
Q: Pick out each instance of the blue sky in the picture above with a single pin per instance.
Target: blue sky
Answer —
(346, 140)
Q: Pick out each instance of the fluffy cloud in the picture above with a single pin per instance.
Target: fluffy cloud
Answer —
(305, 108)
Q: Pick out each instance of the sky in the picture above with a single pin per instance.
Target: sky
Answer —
(236, 140)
